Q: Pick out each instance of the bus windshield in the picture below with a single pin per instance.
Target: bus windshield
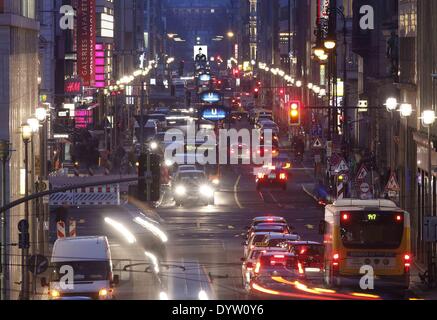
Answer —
(372, 230)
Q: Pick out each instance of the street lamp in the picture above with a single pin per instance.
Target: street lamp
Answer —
(26, 135)
(330, 43)
(34, 124)
(323, 57)
(41, 114)
(391, 104)
(26, 132)
(428, 118)
(230, 34)
(319, 51)
(406, 110)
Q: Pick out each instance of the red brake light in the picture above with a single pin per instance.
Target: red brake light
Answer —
(335, 257)
(279, 256)
(407, 262)
(399, 218)
(282, 176)
(301, 271)
(345, 217)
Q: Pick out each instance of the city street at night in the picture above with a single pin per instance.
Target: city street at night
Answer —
(257, 152)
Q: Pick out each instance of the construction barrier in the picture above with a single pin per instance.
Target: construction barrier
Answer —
(72, 230)
(93, 196)
(60, 227)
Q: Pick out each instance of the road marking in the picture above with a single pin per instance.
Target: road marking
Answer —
(236, 192)
(310, 226)
(275, 200)
(261, 196)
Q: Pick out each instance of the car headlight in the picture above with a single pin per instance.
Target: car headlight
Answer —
(180, 190)
(55, 294)
(216, 181)
(206, 191)
(153, 145)
(168, 163)
(104, 294)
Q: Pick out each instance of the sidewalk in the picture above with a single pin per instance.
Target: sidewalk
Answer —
(420, 290)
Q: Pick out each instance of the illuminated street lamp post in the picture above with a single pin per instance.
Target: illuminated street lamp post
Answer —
(26, 135)
(428, 119)
(391, 105)
(42, 115)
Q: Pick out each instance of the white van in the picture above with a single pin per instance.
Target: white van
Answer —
(86, 261)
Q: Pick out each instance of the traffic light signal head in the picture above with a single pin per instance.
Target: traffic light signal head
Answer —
(256, 93)
(295, 109)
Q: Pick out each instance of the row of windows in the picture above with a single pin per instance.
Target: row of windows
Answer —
(24, 8)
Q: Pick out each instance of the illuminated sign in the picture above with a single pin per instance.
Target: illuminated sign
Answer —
(86, 41)
(372, 217)
(83, 118)
(73, 86)
(201, 53)
(214, 113)
(100, 65)
(211, 97)
(205, 77)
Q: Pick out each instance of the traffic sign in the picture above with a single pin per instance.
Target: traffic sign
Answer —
(38, 264)
(393, 184)
(365, 188)
(317, 144)
(362, 173)
(211, 97)
(217, 113)
(342, 166)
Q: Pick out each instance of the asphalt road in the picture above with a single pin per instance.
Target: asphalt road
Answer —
(211, 237)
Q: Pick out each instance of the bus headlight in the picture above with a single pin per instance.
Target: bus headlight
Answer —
(181, 191)
(206, 191)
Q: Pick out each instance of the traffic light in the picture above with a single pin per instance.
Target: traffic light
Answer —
(281, 92)
(295, 116)
(256, 93)
(150, 178)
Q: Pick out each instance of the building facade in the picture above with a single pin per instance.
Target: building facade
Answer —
(19, 99)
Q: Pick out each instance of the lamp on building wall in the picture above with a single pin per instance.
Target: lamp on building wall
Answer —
(406, 110)
(391, 104)
(428, 118)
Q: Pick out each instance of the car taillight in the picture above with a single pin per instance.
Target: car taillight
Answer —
(283, 176)
(335, 259)
(257, 267)
(407, 262)
(261, 175)
(345, 217)
(301, 270)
